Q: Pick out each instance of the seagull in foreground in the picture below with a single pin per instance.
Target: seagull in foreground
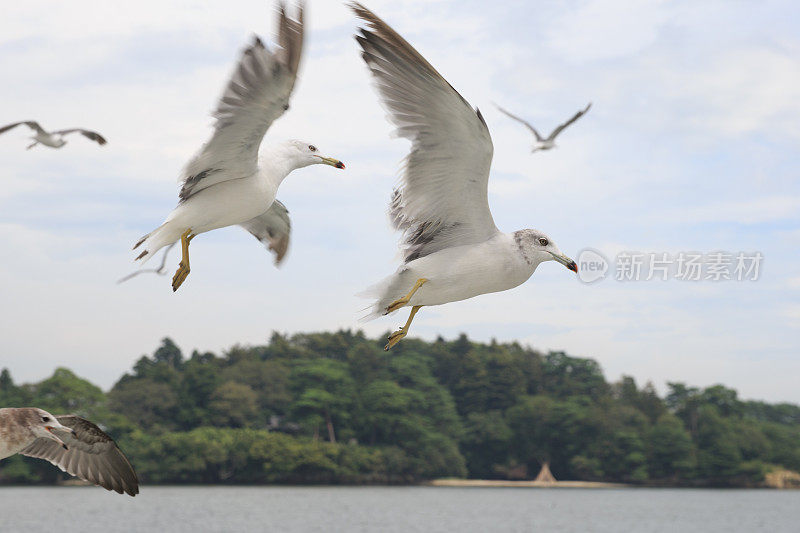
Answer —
(223, 184)
(53, 139)
(550, 141)
(73, 444)
(452, 249)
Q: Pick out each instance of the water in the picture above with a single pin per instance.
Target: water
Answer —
(397, 509)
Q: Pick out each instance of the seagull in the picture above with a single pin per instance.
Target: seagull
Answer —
(223, 184)
(53, 139)
(73, 444)
(550, 141)
(451, 248)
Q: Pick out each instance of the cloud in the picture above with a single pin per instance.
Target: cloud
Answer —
(602, 29)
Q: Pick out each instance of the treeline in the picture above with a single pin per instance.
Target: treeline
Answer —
(336, 408)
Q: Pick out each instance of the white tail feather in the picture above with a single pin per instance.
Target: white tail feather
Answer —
(151, 243)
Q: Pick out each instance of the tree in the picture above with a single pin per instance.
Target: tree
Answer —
(324, 393)
(671, 454)
(234, 405)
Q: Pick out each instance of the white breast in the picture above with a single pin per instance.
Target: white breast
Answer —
(466, 271)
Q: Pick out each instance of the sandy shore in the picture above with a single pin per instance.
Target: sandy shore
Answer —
(451, 482)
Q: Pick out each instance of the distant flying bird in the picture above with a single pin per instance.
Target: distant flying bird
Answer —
(452, 248)
(53, 139)
(223, 184)
(550, 141)
(73, 444)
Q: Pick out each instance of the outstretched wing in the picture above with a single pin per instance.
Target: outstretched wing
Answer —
(30, 123)
(560, 128)
(91, 135)
(273, 229)
(256, 95)
(442, 199)
(523, 121)
(91, 455)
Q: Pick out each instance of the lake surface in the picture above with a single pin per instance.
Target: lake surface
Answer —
(397, 509)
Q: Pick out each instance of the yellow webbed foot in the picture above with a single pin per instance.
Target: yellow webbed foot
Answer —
(398, 335)
(397, 304)
(395, 337)
(180, 275)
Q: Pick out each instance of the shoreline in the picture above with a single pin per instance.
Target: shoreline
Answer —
(455, 482)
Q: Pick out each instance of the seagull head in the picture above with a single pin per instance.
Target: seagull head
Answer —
(44, 425)
(538, 247)
(305, 154)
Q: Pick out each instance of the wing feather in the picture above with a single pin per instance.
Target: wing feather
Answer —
(442, 199)
(89, 134)
(30, 123)
(256, 95)
(522, 121)
(273, 229)
(575, 117)
(91, 455)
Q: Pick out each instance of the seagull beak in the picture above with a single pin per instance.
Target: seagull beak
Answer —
(566, 261)
(53, 436)
(332, 162)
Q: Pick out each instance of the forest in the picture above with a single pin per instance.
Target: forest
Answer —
(335, 408)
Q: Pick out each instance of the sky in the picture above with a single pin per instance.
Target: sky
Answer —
(692, 144)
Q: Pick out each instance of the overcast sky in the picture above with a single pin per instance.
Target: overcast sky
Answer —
(692, 144)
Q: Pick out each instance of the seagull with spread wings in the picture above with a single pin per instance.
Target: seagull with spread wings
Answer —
(452, 249)
(53, 139)
(549, 142)
(223, 184)
(73, 444)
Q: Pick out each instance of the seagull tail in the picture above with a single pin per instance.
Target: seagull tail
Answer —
(155, 240)
(385, 292)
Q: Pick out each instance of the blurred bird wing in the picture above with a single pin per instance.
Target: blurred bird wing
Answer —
(560, 128)
(256, 95)
(521, 120)
(273, 229)
(89, 134)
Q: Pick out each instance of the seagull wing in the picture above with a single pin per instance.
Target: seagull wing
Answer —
(273, 229)
(560, 128)
(256, 95)
(92, 456)
(442, 199)
(89, 134)
(30, 123)
(523, 121)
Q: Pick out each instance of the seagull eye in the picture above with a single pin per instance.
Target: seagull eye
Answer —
(45, 419)
(312, 147)
(543, 241)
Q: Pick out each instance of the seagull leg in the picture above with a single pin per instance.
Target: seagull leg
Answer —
(32, 145)
(398, 335)
(397, 304)
(183, 267)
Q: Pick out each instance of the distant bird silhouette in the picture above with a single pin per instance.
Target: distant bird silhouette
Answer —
(53, 139)
(549, 142)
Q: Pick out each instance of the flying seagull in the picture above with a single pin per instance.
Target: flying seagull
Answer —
(223, 184)
(451, 247)
(53, 139)
(73, 444)
(550, 141)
